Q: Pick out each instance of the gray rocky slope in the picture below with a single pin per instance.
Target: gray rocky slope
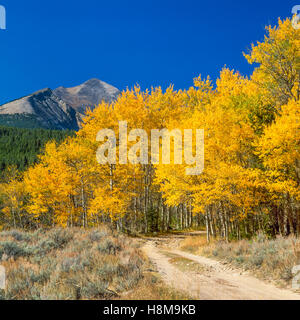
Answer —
(88, 94)
(61, 108)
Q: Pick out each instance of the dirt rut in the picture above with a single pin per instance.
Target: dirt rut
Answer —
(216, 283)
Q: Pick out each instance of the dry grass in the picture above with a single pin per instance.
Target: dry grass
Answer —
(151, 287)
(194, 244)
(267, 259)
(69, 264)
(73, 264)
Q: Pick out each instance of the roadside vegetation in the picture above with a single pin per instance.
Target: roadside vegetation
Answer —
(152, 287)
(268, 259)
(70, 264)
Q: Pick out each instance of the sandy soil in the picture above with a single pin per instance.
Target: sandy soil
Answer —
(215, 282)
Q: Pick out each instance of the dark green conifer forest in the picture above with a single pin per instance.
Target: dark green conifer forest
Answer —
(19, 147)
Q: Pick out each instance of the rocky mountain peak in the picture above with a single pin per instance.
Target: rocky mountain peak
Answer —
(62, 108)
(87, 95)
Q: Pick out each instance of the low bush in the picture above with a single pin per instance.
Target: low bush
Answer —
(68, 264)
(271, 259)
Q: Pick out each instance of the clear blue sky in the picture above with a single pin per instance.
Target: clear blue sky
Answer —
(53, 43)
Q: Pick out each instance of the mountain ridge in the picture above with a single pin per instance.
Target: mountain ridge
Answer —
(61, 108)
(88, 94)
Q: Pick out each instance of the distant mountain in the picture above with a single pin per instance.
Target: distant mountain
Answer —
(62, 108)
(88, 94)
(41, 109)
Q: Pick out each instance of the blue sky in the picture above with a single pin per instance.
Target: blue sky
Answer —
(152, 43)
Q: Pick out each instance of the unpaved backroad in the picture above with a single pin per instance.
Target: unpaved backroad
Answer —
(215, 282)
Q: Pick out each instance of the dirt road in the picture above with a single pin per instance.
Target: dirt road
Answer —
(215, 282)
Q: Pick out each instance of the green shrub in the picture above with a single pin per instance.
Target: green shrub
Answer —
(108, 246)
(61, 237)
(69, 264)
(97, 235)
(12, 250)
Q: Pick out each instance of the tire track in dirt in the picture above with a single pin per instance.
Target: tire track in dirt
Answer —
(215, 284)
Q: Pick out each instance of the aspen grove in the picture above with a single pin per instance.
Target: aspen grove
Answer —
(251, 175)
